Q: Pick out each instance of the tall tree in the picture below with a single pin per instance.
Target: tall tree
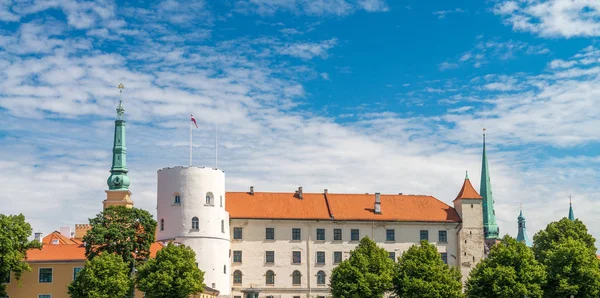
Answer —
(509, 271)
(172, 274)
(14, 231)
(558, 232)
(366, 274)
(105, 276)
(128, 232)
(572, 270)
(421, 273)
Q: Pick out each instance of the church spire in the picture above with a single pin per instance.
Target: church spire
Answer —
(571, 215)
(118, 179)
(490, 228)
(522, 235)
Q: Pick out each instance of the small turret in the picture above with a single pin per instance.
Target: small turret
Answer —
(522, 234)
(571, 215)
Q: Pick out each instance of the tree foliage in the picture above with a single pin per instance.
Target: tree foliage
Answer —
(128, 232)
(559, 231)
(172, 274)
(366, 274)
(509, 271)
(105, 276)
(14, 231)
(572, 270)
(421, 273)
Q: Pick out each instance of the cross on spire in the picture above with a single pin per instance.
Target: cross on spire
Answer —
(120, 109)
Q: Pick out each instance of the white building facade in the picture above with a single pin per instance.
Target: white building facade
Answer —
(285, 245)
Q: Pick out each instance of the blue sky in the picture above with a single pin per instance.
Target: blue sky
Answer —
(350, 95)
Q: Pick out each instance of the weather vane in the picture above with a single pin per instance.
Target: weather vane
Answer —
(121, 87)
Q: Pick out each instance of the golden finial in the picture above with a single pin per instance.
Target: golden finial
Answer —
(121, 87)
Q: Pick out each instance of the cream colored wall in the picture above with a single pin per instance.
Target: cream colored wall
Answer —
(254, 245)
(62, 275)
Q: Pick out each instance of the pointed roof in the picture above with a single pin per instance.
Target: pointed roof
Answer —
(522, 234)
(571, 215)
(468, 191)
(57, 238)
(491, 230)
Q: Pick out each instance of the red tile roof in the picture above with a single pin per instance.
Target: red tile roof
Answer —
(318, 206)
(57, 252)
(468, 192)
(56, 235)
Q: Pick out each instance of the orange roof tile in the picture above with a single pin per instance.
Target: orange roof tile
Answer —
(56, 235)
(468, 192)
(342, 207)
(57, 252)
(276, 205)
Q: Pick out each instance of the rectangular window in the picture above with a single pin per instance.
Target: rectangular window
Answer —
(45, 275)
(320, 257)
(237, 256)
(424, 235)
(354, 235)
(321, 234)
(390, 235)
(45, 296)
(337, 234)
(270, 234)
(442, 236)
(296, 234)
(444, 257)
(76, 271)
(237, 233)
(393, 255)
(337, 257)
(270, 257)
(296, 257)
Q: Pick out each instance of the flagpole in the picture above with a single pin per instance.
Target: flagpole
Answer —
(216, 146)
(190, 143)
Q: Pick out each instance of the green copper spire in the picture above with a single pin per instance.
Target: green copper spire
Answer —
(118, 179)
(571, 215)
(522, 235)
(490, 228)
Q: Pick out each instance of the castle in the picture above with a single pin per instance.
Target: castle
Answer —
(262, 244)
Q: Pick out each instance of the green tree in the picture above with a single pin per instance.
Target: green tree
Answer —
(172, 274)
(105, 276)
(366, 274)
(421, 273)
(509, 271)
(14, 231)
(558, 232)
(128, 232)
(572, 270)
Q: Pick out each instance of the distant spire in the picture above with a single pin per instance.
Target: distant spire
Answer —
(490, 227)
(466, 175)
(571, 215)
(522, 235)
(118, 179)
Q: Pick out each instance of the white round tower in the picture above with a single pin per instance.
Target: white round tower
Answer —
(191, 211)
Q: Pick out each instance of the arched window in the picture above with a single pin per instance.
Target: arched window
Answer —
(162, 224)
(237, 277)
(270, 278)
(321, 277)
(177, 199)
(221, 198)
(222, 226)
(195, 224)
(296, 278)
(210, 198)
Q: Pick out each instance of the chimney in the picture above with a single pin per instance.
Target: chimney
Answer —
(300, 192)
(251, 190)
(377, 207)
(65, 231)
(38, 237)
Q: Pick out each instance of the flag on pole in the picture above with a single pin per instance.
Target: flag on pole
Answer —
(194, 120)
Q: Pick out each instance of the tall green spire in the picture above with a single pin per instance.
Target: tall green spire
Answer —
(571, 215)
(490, 228)
(522, 234)
(118, 179)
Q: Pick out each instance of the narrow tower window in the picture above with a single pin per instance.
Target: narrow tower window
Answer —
(222, 226)
(162, 224)
(195, 224)
(177, 199)
(221, 198)
(210, 199)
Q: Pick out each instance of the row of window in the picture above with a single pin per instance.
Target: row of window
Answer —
(210, 199)
(195, 224)
(390, 234)
(45, 275)
(270, 277)
(320, 257)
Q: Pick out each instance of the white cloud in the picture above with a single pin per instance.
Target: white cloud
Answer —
(442, 13)
(552, 18)
(305, 50)
(447, 65)
(311, 7)
(561, 63)
(485, 52)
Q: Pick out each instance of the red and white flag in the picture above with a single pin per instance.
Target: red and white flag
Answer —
(194, 120)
